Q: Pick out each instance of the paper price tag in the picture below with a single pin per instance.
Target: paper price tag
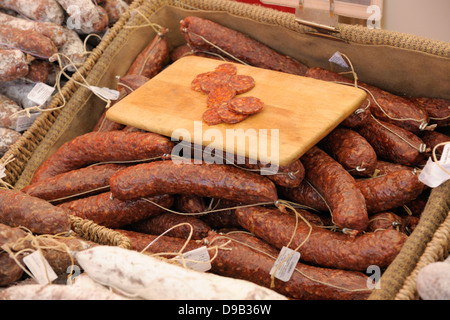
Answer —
(285, 264)
(25, 121)
(433, 174)
(106, 93)
(197, 259)
(40, 93)
(336, 58)
(40, 268)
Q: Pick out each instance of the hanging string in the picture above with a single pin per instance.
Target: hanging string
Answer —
(215, 46)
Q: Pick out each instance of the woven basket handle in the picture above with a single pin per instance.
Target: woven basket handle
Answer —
(89, 230)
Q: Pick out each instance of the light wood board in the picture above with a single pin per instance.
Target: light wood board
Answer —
(298, 111)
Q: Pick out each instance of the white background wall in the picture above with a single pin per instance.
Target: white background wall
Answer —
(427, 18)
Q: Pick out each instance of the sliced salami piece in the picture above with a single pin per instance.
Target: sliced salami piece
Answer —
(227, 68)
(246, 105)
(212, 117)
(195, 84)
(229, 116)
(220, 94)
(214, 79)
(242, 83)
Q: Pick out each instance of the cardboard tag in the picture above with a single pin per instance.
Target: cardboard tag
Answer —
(285, 264)
(197, 259)
(433, 174)
(108, 94)
(40, 93)
(24, 122)
(336, 58)
(40, 268)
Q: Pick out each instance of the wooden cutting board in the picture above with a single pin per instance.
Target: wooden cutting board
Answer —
(298, 111)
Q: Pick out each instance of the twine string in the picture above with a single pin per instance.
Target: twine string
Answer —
(3, 164)
(215, 46)
(35, 244)
(226, 236)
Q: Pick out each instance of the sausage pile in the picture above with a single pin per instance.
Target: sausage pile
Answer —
(358, 189)
(30, 35)
(222, 86)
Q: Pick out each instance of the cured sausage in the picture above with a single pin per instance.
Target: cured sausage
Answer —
(385, 221)
(236, 45)
(288, 176)
(84, 16)
(225, 218)
(41, 71)
(153, 58)
(95, 147)
(31, 42)
(78, 183)
(41, 10)
(247, 257)
(53, 31)
(357, 118)
(339, 189)
(39, 216)
(210, 80)
(390, 191)
(211, 117)
(205, 180)
(114, 213)
(188, 226)
(434, 138)
(10, 271)
(115, 9)
(393, 143)
(227, 68)
(132, 82)
(8, 137)
(385, 167)
(242, 83)
(74, 49)
(190, 204)
(305, 194)
(438, 110)
(220, 94)
(383, 105)
(13, 65)
(351, 150)
(8, 110)
(246, 105)
(229, 116)
(165, 246)
(55, 250)
(322, 247)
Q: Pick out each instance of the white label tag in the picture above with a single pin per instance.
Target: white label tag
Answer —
(25, 121)
(40, 268)
(432, 174)
(197, 259)
(40, 93)
(106, 93)
(285, 264)
(337, 59)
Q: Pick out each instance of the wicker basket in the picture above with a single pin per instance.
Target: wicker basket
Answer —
(428, 60)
